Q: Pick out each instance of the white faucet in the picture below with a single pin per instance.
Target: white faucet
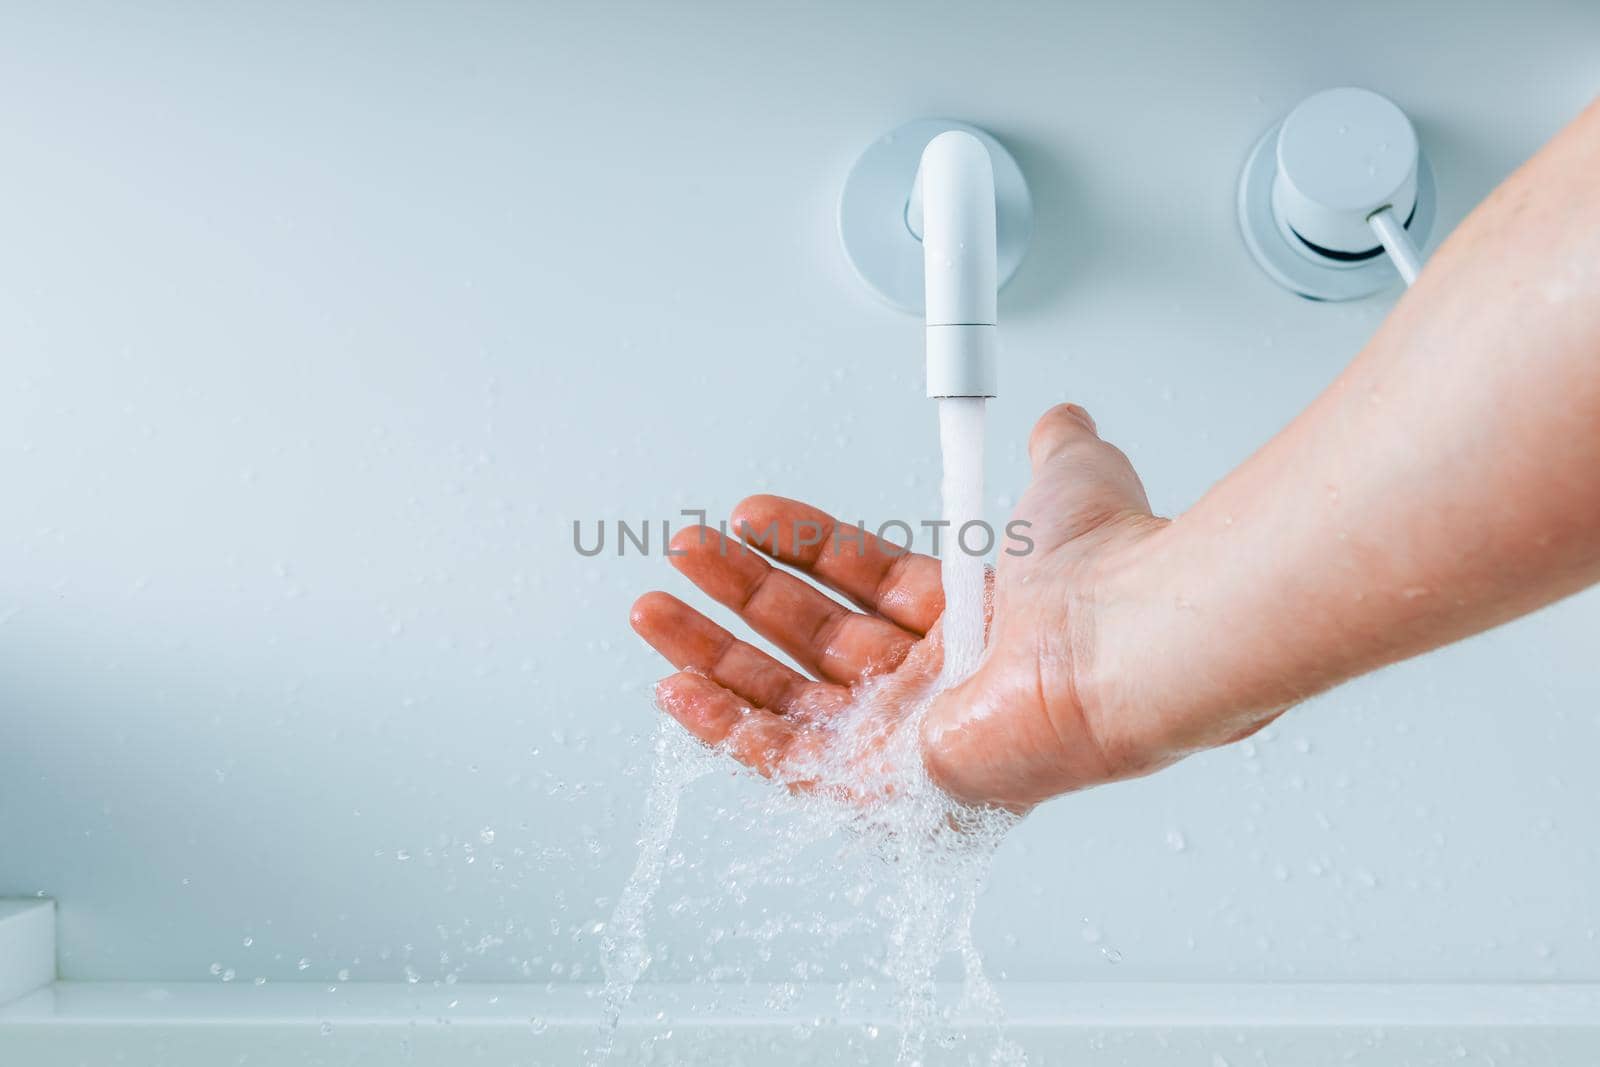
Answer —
(935, 217)
(951, 209)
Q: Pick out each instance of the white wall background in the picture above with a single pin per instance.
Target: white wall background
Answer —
(320, 323)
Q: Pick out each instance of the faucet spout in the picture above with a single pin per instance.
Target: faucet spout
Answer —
(952, 210)
(934, 217)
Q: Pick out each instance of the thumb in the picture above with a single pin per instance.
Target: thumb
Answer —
(1079, 480)
(1062, 427)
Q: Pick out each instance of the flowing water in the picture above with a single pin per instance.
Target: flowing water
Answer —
(961, 443)
(874, 838)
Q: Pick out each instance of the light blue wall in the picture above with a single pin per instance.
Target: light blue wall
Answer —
(320, 324)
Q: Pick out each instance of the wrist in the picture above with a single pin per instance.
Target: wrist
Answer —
(1169, 667)
(1117, 636)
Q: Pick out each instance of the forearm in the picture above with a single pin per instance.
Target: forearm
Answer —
(1448, 481)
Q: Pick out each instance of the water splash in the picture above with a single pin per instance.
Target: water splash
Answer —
(624, 946)
(871, 831)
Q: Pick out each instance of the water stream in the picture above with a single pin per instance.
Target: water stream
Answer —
(961, 445)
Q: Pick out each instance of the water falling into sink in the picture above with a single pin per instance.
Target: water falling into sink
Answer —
(910, 860)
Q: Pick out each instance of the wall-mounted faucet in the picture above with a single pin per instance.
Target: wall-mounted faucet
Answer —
(935, 217)
(952, 210)
(1337, 198)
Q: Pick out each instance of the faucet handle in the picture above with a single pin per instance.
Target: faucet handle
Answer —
(1327, 191)
(1343, 154)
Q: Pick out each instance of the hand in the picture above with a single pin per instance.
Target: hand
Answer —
(1029, 724)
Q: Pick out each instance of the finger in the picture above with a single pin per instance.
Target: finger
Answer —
(820, 634)
(687, 639)
(758, 739)
(878, 575)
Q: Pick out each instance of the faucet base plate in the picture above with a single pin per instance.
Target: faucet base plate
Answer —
(872, 211)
